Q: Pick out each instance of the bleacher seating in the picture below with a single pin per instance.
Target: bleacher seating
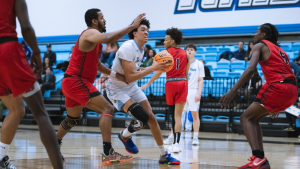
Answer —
(199, 57)
(212, 50)
(234, 74)
(212, 64)
(222, 73)
(200, 50)
(211, 57)
(221, 50)
(286, 46)
(223, 65)
(238, 65)
(296, 46)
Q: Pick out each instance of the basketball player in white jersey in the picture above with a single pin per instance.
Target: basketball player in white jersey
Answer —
(195, 86)
(129, 97)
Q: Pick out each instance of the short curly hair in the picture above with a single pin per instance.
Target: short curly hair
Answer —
(144, 22)
(175, 34)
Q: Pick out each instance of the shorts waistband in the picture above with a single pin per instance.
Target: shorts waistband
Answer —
(66, 76)
(293, 82)
(7, 39)
(176, 79)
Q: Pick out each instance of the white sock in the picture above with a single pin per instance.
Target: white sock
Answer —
(3, 150)
(196, 135)
(162, 150)
(126, 133)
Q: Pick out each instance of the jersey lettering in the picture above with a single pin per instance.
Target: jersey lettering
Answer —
(177, 63)
(283, 57)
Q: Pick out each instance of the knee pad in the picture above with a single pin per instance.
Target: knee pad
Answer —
(69, 122)
(139, 115)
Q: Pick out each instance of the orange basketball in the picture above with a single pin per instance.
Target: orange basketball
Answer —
(164, 56)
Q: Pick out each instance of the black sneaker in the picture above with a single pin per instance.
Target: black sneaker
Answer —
(5, 164)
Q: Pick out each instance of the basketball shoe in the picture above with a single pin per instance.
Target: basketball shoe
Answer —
(167, 159)
(114, 158)
(169, 140)
(5, 164)
(256, 163)
(195, 141)
(174, 148)
(130, 147)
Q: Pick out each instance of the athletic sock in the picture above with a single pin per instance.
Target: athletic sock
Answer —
(106, 148)
(258, 154)
(176, 138)
(126, 133)
(3, 150)
(196, 135)
(162, 150)
(59, 142)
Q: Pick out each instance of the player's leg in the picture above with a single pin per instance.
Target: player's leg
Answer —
(156, 132)
(177, 117)
(15, 106)
(250, 124)
(47, 133)
(100, 105)
(72, 119)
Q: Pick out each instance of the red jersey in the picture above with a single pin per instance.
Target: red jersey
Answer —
(277, 67)
(7, 18)
(84, 64)
(180, 62)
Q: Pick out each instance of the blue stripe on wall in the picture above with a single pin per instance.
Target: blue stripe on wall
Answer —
(186, 32)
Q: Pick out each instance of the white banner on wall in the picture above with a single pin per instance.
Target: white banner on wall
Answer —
(66, 17)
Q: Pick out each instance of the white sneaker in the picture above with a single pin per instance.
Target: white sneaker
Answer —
(169, 140)
(176, 148)
(195, 141)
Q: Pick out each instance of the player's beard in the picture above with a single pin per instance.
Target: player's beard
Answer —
(101, 27)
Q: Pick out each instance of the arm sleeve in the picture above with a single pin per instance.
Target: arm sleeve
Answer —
(126, 52)
(201, 69)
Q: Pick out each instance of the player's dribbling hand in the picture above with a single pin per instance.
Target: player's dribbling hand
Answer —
(36, 60)
(145, 86)
(138, 20)
(120, 77)
(226, 99)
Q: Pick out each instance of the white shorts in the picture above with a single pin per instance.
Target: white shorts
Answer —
(190, 104)
(120, 95)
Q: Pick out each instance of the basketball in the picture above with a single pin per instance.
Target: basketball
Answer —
(164, 56)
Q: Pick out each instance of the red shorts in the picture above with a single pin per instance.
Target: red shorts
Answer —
(277, 97)
(16, 75)
(78, 91)
(176, 92)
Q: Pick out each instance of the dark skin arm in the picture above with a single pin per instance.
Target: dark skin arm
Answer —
(103, 69)
(259, 51)
(28, 34)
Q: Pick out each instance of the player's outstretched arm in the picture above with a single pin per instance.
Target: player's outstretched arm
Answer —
(132, 75)
(246, 76)
(94, 36)
(153, 78)
(28, 33)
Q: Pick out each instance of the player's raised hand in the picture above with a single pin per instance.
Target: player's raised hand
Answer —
(36, 60)
(138, 20)
(274, 115)
(226, 99)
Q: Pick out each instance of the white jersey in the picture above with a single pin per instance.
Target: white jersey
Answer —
(196, 70)
(129, 51)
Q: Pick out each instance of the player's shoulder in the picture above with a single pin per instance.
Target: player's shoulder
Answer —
(127, 45)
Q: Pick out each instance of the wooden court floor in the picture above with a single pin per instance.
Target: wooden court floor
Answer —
(83, 147)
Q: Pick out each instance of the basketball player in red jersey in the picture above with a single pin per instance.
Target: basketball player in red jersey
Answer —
(77, 84)
(17, 79)
(176, 87)
(279, 93)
